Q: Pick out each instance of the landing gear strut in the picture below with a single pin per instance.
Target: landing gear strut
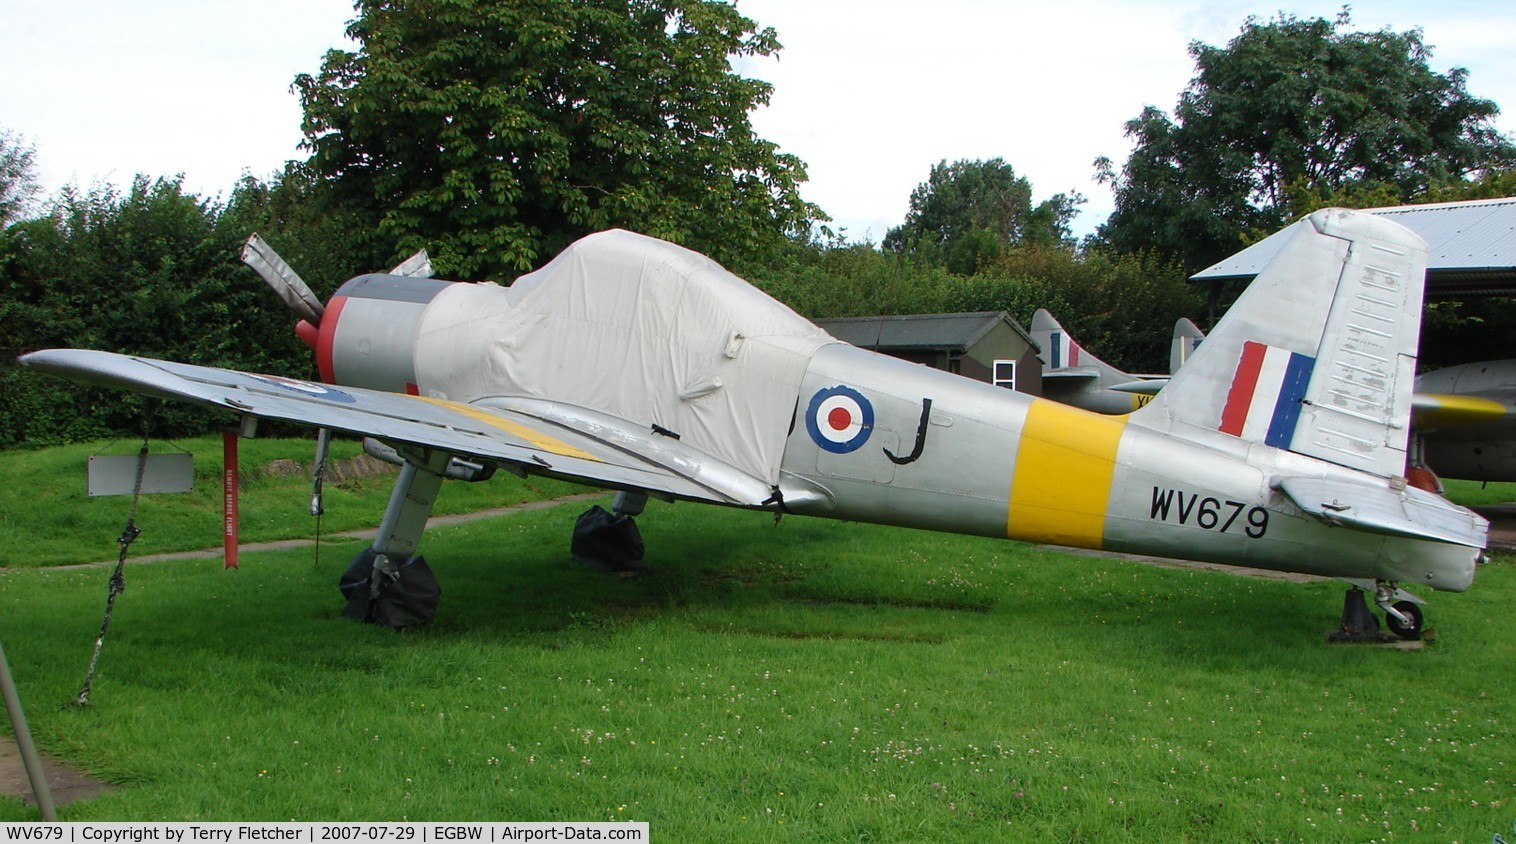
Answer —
(389, 583)
(1402, 617)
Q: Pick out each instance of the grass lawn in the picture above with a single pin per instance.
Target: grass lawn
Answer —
(47, 517)
(1475, 494)
(811, 681)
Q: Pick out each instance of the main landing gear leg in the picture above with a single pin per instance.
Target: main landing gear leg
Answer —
(389, 583)
(1359, 624)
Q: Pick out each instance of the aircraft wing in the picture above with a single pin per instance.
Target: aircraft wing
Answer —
(575, 444)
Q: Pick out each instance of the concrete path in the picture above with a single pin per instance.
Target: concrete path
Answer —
(64, 782)
(362, 533)
(1502, 526)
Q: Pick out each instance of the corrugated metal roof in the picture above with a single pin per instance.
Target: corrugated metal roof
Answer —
(952, 332)
(1471, 247)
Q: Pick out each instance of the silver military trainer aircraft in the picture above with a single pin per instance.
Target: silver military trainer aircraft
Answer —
(632, 364)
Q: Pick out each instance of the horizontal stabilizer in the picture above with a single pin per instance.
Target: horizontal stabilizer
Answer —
(1142, 387)
(1383, 509)
(1077, 373)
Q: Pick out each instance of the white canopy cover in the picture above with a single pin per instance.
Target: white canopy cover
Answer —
(637, 328)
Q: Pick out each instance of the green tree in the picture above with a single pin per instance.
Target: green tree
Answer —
(1289, 110)
(969, 213)
(1121, 307)
(292, 210)
(18, 177)
(839, 279)
(149, 271)
(494, 133)
(1302, 198)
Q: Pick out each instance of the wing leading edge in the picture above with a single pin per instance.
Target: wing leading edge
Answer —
(633, 458)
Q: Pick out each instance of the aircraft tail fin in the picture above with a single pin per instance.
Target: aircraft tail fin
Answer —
(1061, 352)
(1187, 337)
(1318, 355)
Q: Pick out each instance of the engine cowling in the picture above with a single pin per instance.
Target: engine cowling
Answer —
(367, 335)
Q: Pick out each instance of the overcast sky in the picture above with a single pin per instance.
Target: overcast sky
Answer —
(869, 95)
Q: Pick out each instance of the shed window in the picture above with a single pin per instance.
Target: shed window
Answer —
(1005, 374)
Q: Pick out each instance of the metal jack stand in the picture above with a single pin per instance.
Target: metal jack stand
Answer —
(29, 756)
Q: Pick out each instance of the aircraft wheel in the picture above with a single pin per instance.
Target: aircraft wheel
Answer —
(1405, 631)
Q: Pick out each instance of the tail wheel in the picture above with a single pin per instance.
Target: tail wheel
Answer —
(1411, 627)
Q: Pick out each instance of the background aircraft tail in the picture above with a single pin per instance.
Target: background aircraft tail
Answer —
(1061, 352)
(1318, 355)
(1187, 337)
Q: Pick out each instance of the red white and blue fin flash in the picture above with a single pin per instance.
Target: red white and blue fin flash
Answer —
(1065, 352)
(839, 419)
(1264, 402)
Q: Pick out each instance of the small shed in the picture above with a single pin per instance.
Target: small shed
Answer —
(987, 346)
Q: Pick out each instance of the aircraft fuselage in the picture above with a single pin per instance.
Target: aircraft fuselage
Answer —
(989, 461)
(892, 442)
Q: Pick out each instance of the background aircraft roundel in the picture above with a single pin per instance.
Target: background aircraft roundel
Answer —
(839, 419)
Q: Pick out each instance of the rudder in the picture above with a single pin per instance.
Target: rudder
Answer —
(1318, 355)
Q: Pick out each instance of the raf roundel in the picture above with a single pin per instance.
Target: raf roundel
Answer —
(839, 419)
(320, 391)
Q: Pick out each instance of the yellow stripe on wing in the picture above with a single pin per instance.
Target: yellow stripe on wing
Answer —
(538, 439)
(1062, 481)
